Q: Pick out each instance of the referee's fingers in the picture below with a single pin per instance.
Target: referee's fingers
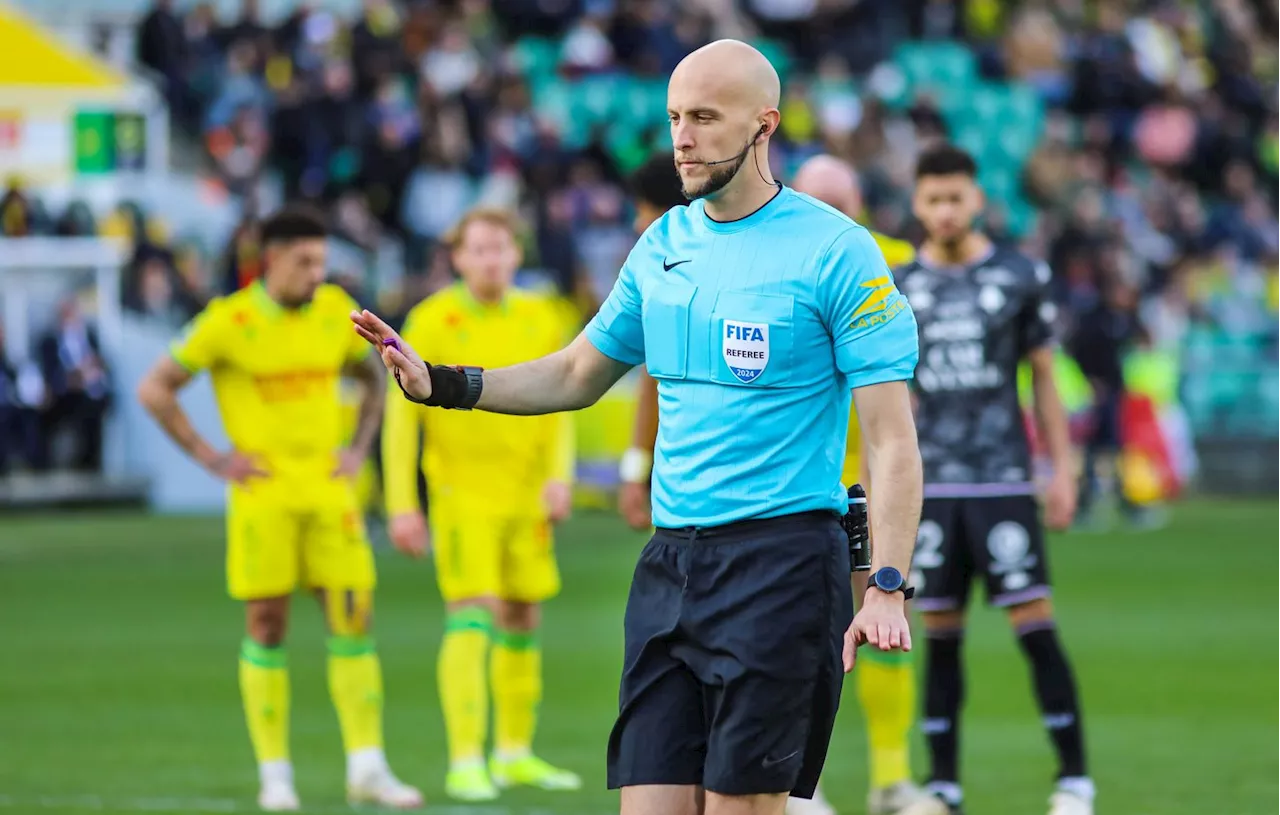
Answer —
(373, 323)
(886, 637)
(366, 334)
(398, 359)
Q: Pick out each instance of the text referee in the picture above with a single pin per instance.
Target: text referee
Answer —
(758, 310)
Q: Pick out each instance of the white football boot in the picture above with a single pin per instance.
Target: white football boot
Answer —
(905, 798)
(1063, 802)
(276, 792)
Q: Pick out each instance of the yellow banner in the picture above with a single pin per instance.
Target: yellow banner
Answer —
(31, 57)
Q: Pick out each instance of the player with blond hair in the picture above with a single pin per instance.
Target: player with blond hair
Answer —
(496, 485)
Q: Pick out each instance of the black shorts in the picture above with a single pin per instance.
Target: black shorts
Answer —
(999, 538)
(732, 672)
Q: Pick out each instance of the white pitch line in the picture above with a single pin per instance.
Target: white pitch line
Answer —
(228, 805)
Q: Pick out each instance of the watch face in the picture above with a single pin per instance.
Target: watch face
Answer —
(889, 579)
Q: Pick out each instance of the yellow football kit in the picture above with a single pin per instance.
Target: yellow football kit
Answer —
(886, 683)
(485, 471)
(277, 378)
(486, 474)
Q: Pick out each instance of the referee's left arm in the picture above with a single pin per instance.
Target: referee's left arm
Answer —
(876, 348)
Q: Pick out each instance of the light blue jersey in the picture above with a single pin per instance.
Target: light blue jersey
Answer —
(756, 330)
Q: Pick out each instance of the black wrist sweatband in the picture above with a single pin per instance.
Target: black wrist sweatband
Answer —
(453, 387)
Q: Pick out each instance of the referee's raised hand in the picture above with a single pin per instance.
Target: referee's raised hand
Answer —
(401, 360)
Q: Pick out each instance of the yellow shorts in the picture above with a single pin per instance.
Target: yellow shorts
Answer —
(482, 554)
(272, 549)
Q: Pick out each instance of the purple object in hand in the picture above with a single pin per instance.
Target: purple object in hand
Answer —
(392, 342)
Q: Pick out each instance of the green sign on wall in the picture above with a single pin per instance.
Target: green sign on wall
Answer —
(108, 142)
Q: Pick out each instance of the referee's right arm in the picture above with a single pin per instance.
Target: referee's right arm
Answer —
(877, 347)
(569, 379)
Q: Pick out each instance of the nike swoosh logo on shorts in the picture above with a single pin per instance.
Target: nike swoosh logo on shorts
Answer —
(767, 762)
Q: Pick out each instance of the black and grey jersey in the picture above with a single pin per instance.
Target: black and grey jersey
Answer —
(976, 325)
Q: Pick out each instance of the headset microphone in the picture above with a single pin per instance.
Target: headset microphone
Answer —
(741, 153)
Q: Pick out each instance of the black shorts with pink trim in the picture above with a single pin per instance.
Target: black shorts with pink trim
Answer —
(998, 538)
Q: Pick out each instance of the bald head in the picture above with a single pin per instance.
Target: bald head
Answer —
(722, 100)
(734, 68)
(831, 181)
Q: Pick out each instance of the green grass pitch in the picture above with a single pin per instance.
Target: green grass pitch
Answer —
(118, 676)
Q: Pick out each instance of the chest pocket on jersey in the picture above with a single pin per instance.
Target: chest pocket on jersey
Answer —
(751, 339)
(666, 330)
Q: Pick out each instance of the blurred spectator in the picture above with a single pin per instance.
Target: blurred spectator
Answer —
(163, 47)
(18, 215)
(79, 386)
(22, 397)
(156, 290)
(76, 221)
(1102, 337)
(241, 262)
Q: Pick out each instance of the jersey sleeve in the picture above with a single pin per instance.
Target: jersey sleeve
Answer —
(200, 344)
(356, 347)
(872, 327)
(1038, 314)
(617, 331)
(402, 425)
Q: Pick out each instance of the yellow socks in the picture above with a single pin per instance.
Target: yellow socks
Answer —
(463, 689)
(516, 674)
(887, 690)
(355, 683)
(264, 688)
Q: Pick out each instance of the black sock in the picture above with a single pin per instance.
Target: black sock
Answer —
(944, 691)
(1056, 692)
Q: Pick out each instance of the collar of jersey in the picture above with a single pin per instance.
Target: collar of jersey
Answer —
(469, 301)
(764, 213)
(269, 307)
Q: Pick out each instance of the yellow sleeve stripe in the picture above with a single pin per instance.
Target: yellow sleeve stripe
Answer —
(876, 301)
(883, 280)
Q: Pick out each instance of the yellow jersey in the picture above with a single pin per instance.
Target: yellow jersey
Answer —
(896, 253)
(473, 458)
(277, 378)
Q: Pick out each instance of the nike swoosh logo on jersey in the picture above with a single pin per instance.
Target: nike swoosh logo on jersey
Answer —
(666, 267)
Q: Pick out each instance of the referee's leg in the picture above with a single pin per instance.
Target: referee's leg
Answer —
(658, 745)
(772, 610)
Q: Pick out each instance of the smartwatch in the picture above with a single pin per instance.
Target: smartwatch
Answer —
(889, 580)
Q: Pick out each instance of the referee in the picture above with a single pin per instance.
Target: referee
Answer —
(758, 310)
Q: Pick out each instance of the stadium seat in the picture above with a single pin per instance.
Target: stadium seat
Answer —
(1195, 399)
(987, 103)
(595, 97)
(536, 57)
(1025, 107)
(936, 65)
(1268, 401)
(641, 102)
(1022, 217)
(999, 181)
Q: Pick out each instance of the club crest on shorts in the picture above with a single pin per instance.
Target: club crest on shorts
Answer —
(745, 347)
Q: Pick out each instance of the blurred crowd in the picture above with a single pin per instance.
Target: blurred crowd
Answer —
(1156, 159)
(1142, 165)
